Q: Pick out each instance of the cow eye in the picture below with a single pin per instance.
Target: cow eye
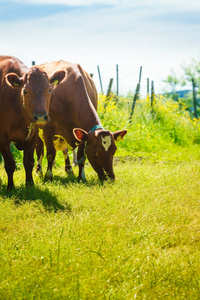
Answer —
(50, 90)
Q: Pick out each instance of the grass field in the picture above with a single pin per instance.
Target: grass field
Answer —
(137, 238)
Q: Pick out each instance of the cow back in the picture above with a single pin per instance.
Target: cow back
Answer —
(49, 68)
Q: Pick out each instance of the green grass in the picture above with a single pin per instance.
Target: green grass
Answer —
(137, 238)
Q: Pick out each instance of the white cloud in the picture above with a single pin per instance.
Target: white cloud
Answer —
(120, 35)
(181, 4)
(67, 2)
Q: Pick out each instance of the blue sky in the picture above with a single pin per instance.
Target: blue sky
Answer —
(158, 35)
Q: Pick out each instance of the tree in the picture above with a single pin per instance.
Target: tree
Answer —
(192, 75)
(172, 80)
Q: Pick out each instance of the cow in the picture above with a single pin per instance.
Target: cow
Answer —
(74, 118)
(25, 95)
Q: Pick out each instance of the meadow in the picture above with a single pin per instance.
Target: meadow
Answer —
(136, 238)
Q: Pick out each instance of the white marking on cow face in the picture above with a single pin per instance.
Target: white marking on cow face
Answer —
(106, 142)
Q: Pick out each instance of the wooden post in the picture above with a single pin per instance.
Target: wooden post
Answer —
(100, 79)
(33, 63)
(140, 75)
(134, 101)
(152, 93)
(117, 78)
(194, 99)
(137, 91)
(109, 88)
(108, 92)
(147, 88)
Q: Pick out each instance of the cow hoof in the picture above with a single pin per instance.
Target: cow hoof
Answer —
(39, 171)
(46, 178)
(29, 183)
(69, 171)
(49, 176)
(10, 187)
(82, 179)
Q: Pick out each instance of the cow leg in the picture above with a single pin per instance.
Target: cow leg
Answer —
(75, 161)
(9, 162)
(51, 153)
(50, 158)
(40, 155)
(81, 161)
(28, 161)
(68, 168)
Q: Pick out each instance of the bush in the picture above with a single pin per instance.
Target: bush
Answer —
(166, 124)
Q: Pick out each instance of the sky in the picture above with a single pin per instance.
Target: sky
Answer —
(159, 35)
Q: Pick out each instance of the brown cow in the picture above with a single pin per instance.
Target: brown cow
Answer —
(73, 117)
(24, 105)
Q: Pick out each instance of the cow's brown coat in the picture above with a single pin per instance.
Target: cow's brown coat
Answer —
(73, 116)
(24, 100)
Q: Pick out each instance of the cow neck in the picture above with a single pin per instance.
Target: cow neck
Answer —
(86, 115)
(95, 127)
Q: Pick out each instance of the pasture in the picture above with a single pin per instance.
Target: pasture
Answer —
(137, 238)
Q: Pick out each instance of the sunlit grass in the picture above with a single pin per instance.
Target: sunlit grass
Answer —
(137, 238)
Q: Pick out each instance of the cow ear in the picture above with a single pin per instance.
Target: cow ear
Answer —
(13, 80)
(80, 134)
(118, 135)
(57, 77)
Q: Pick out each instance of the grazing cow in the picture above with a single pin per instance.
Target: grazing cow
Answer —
(24, 106)
(73, 117)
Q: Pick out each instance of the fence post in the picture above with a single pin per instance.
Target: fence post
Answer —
(140, 75)
(194, 99)
(109, 88)
(100, 79)
(108, 92)
(134, 101)
(148, 89)
(152, 93)
(117, 78)
(136, 95)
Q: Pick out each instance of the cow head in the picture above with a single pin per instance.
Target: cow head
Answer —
(100, 149)
(36, 88)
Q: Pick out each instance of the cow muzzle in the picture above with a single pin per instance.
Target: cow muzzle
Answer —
(40, 119)
(103, 175)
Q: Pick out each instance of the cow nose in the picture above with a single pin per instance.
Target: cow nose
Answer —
(40, 119)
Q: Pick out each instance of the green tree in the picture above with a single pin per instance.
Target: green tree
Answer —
(172, 80)
(192, 75)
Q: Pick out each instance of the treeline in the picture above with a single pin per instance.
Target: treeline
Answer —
(190, 77)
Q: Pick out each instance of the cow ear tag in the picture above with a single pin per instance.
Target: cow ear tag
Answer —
(119, 138)
(55, 82)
